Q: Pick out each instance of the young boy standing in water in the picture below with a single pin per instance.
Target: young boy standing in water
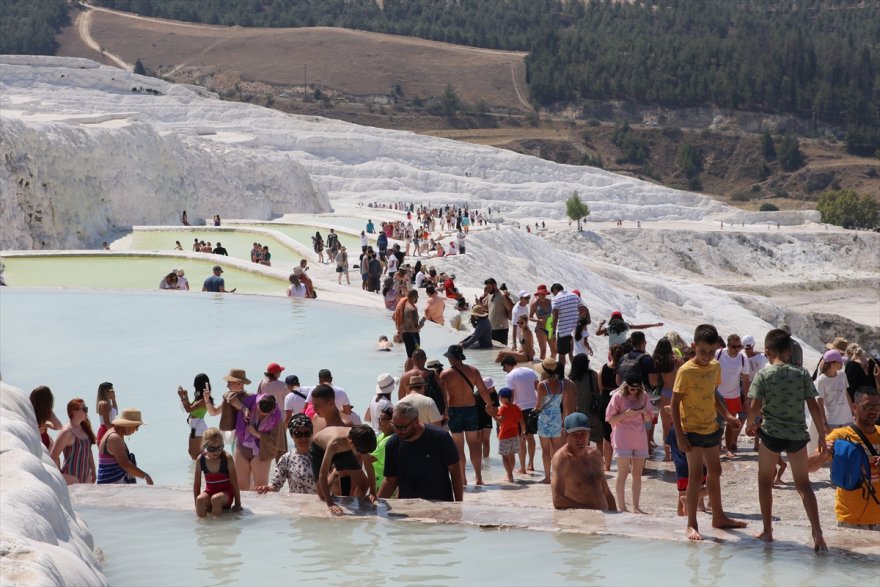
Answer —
(778, 393)
(694, 405)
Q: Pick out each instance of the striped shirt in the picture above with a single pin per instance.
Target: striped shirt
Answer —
(567, 304)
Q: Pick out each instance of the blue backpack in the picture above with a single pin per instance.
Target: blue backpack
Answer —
(850, 469)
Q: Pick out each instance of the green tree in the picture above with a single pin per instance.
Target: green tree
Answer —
(450, 103)
(576, 209)
(689, 160)
(139, 68)
(790, 157)
(768, 149)
(768, 207)
(848, 209)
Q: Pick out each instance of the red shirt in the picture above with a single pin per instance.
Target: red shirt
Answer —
(448, 286)
(511, 416)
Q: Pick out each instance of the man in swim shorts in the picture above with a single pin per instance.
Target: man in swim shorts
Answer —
(577, 475)
(338, 447)
(458, 382)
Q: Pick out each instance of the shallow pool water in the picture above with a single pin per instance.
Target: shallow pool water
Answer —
(115, 272)
(148, 343)
(264, 550)
(303, 234)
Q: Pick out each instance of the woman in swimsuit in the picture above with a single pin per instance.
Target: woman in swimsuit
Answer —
(539, 312)
(75, 441)
(115, 463)
(549, 408)
(106, 407)
(257, 427)
(667, 368)
(201, 405)
(526, 343)
(221, 485)
(43, 403)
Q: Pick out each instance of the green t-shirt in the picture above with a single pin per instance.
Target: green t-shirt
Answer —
(379, 455)
(783, 389)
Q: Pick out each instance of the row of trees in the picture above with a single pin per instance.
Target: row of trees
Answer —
(849, 209)
(29, 28)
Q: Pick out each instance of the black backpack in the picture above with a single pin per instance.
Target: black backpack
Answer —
(433, 391)
(631, 363)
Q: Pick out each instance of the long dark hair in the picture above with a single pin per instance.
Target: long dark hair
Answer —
(578, 331)
(580, 367)
(200, 384)
(617, 325)
(43, 402)
(664, 358)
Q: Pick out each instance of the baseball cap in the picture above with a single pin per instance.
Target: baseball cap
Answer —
(291, 380)
(748, 340)
(274, 368)
(524, 294)
(505, 392)
(616, 314)
(218, 268)
(577, 422)
(832, 356)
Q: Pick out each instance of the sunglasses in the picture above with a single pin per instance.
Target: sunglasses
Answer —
(214, 448)
(85, 409)
(404, 426)
(302, 433)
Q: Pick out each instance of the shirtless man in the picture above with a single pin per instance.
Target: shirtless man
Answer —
(458, 383)
(327, 414)
(577, 475)
(340, 447)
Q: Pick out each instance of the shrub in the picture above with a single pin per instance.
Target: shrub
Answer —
(768, 207)
(741, 197)
(848, 208)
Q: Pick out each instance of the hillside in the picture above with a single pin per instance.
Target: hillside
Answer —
(398, 83)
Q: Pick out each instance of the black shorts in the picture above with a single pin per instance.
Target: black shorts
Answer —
(563, 344)
(411, 341)
(342, 461)
(529, 429)
(779, 445)
(484, 419)
(500, 335)
(704, 440)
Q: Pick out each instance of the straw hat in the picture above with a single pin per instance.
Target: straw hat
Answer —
(839, 344)
(385, 383)
(238, 375)
(547, 368)
(479, 312)
(129, 417)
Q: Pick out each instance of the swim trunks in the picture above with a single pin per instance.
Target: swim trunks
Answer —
(704, 440)
(508, 446)
(563, 344)
(463, 419)
(342, 461)
(411, 341)
(779, 445)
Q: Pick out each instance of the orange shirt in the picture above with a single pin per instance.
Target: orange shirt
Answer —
(510, 417)
(853, 507)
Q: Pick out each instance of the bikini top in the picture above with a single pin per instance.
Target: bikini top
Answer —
(541, 312)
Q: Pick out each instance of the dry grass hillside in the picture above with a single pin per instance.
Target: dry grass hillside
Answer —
(393, 82)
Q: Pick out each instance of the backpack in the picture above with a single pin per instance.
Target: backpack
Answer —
(850, 469)
(631, 362)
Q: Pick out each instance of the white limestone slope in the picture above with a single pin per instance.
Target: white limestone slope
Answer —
(83, 152)
(42, 540)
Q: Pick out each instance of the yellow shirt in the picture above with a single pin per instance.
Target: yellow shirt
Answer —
(696, 386)
(850, 506)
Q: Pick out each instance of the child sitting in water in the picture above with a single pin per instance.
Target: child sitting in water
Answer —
(221, 485)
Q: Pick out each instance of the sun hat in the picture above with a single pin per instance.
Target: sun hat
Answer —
(274, 368)
(434, 364)
(542, 290)
(479, 311)
(748, 340)
(832, 356)
(547, 367)
(505, 392)
(488, 382)
(416, 381)
(454, 352)
(577, 422)
(128, 417)
(385, 383)
(238, 375)
(524, 294)
(838, 343)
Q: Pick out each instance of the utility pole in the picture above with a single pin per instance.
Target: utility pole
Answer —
(305, 78)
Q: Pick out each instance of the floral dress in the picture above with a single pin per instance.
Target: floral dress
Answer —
(296, 469)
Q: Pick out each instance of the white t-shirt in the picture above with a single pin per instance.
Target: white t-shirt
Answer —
(522, 381)
(420, 277)
(376, 408)
(579, 347)
(832, 390)
(517, 312)
(182, 283)
(294, 403)
(341, 396)
(731, 370)
(296, 291)
(756, 363)
(428, 412)
(392, 264)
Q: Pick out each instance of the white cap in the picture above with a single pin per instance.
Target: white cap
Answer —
(749, 340)
(524, 294)
(488, 382)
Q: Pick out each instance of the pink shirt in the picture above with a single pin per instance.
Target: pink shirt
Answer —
(629, 434)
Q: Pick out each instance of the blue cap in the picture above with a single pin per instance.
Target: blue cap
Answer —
(576, 422)
(505, 392)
